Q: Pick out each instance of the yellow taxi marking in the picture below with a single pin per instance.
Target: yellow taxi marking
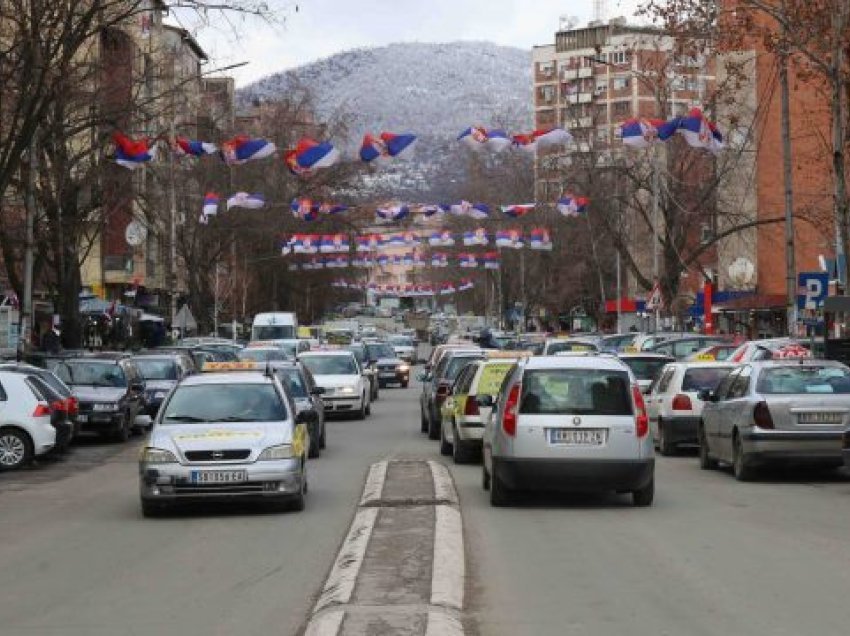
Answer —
(630, 349)
(705, 357)
(299, 442)
(231, 366)
(492, 377)
(496, 355)
(219, 435)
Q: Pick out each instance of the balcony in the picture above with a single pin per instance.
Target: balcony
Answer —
(584, 98)
(568, 74)
(584, 122)
(585, 72)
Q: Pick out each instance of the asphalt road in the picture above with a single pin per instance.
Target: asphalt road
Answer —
(712, 556)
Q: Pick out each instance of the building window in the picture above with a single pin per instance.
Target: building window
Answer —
(621, 109)
(601, 86)
(546, 69)
(546, 93)
(617, 57)
(620, 83)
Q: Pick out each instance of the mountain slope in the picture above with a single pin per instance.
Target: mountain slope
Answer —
(433, 90)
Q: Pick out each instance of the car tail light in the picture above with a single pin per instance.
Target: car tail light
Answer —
(682, 403)
(73, 406)
(59, 406)
(471, 407)
(511, 405)
(761, 415)
(641, 418)
(41, 410)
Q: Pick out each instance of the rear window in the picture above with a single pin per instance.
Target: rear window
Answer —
(646, 368)
(455, 366)
(492, 376)
(558, 347)
(262, 355)
(575, 392)
(292, 379)
(224, 403)
(804, 379)
(695, 380)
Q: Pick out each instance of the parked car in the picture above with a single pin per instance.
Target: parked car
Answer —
(646, 367)
(674, 404)
(225, 436)
(202, 354)
(110, 390)
(26, 429)
(404, 348)
(776, 410)
(436, 385)
(681, 348)
(291, 346)
(646, 341)
(341, 376)
(462, 421)
(575, 423)
(161, 372)
(360, 352)
(719, 352)
(771, 349)
(553, 346)
(391, 368)
(263, 354)
(307, 398)
(617, 342)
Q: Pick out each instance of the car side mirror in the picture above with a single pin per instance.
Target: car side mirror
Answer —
(319, 390)
(485, 401)
(707, 395)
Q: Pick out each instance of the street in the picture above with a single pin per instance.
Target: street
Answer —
(710, 556)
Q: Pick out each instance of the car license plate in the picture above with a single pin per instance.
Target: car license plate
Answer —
(577, 436)
(218, 476)
(820, 417)
(387, 374)
(82, 419)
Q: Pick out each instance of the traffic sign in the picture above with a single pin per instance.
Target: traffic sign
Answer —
(655, 299)
(814, 287)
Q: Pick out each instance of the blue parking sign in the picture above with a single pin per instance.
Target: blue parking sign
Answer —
(814, 287)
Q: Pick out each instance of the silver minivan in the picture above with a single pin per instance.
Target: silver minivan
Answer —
(568, 423)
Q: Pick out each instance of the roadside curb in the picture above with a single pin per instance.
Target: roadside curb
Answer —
(406, 505)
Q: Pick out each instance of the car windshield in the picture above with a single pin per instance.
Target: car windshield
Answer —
(569, 345)
(91, 373)
(618, 342)
(224, 403)
(262, 355)
(456, 364)
(700, 378)
(646, 368)
(152, 369)
(380, 351)
(331, 365)
(575, 392)
(401, 341)
(294, 381)
(359, 353)
(272, 332)
(804, 379)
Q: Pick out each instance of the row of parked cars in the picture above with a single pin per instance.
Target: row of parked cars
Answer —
(583, 419)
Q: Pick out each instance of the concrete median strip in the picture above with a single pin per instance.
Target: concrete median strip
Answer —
(401, 567)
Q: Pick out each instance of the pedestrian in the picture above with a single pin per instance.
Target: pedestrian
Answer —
(51, 342)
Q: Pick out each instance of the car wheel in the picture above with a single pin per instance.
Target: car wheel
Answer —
(664, 445)
(423, 421)
(368, 410)
(445, 447)
(323, 437)
(433, 429)
(122, 433)
(643, 497)
(152, 509)
(741, 467)
(461, 452)
(298, 502)
(15, 448)
(706, 461)
(315, 444)
(500, 494)
(485, 477)
(361, 414)
(404, 385)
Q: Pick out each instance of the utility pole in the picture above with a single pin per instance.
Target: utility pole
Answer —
(656, 193)
(172, 206)
(25, 319)
(787, 177)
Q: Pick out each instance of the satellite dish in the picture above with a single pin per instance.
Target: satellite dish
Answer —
(741, 272)
(135, 234)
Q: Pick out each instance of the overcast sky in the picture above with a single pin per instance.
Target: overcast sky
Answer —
(320, 28)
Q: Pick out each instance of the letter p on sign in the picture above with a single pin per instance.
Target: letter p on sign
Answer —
(814, 288)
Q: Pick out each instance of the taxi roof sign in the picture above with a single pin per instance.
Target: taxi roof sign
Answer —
(498, 354)
(210, 367)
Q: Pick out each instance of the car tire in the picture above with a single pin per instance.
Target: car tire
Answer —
(15, 448)
(664, 446)
(361, 414)
(500, 494)
(153, 509)
(706, 461)
(461, 451)
(368, 410)
(741, 466)
(423, 421)
(298, 502)
(323, 437)
(643, 497)
(315, 446)
(122, 434)
(445, 447)
(485, 477)
(404, 385)
(433, 429)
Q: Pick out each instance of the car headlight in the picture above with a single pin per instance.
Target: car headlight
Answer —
(150, 455)
(347, 390)
(283, 451)
(159, 395)
(403, 368)
(105, 406)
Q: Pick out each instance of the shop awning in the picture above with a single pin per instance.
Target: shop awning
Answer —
(766, 302)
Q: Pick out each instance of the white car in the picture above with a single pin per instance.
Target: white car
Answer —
(674, 405)
(25, 427)
(553, 346)
(346, 385)
(569, 423)
(404, 348)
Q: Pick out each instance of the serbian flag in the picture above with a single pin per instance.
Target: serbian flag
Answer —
(326, 244)
(699, 132)
(410, 239)
(439, 259)
(310, 155)
(640, 133)
(363, 244)
(530, 142)
(387, 145)
(338, 262)
(430, 210)
(491, 260)
(570, 205)
(465, 285)
(383, 260)
(517, 211)
(307, 244)
(392, 212)
(418, 261)
(242, 149)
(540, 239)
(394, 240)
(442, 238)
(332, 208)
(245, 200)
(467, 261)
(509, 238)
(304, 209)
(447, 289)
(190, 148)
(478, 211)
(211, 201)
(477, 137)
(130, 153)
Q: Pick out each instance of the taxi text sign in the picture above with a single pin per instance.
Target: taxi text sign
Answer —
(814, 287)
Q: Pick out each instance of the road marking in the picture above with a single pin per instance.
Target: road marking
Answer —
(328, 624)
(447, 578)
(441, 624)
(444, 489)
(343, 576)
(374, 487)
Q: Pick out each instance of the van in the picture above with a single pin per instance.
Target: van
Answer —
(278, 325)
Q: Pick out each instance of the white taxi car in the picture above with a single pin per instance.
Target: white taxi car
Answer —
(346, 385)
(569, 423)
(225, 435)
